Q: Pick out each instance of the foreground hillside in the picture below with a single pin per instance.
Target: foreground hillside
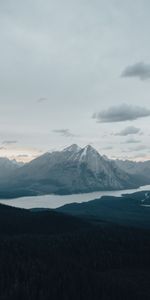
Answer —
(129, 210)
(67, 258)
(21, 221)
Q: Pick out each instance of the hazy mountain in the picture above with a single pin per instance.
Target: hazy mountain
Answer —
(71, 170)
(7, 167)
(140, 170)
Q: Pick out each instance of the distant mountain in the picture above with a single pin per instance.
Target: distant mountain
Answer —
(72, 170)
(7, 167)
(140, 170)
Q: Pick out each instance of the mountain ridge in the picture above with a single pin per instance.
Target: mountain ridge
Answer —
(72, 170)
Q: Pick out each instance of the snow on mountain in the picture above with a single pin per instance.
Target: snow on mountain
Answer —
(72, 170)
(73, 148)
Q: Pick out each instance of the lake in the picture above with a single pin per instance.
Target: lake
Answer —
(54, 201)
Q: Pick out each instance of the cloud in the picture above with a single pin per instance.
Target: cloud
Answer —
(139, 156)
(64, 132)
(136, 157)
(128, 130)
(42, 99)
(123, 112)
(9, 142)
(107, 148)
(139, 148)
(132, 141)
(22, 155)
(140, 70)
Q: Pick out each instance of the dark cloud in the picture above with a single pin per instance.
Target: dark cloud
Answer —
(22, 155)
(64, 132)
(128, 130)
(139, 148)
(42, 99)
(132, 141)
(123, 112)
(140, 70)
(9, 142)
(107, 148)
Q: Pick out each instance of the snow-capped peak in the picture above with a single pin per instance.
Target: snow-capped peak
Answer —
(89, 149)
(73, 148)
(91, 157)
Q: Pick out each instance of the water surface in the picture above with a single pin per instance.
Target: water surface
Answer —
(54, 201)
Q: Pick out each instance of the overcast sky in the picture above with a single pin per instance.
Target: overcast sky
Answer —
(75, 72)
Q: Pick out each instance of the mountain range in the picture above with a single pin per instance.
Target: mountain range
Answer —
(72, 170)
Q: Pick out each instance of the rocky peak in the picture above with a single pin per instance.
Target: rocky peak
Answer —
(73, 148)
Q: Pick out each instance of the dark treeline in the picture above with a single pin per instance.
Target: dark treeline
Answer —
(80, 261)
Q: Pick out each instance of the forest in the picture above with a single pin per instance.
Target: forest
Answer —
(49, 255)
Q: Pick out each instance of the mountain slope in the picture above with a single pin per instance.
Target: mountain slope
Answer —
(140, 170)
(7, 167)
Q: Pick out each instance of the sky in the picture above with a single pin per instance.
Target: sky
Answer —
(75, 72)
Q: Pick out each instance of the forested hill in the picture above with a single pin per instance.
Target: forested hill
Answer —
(21, 221)
(49, 255)
(130, 210)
